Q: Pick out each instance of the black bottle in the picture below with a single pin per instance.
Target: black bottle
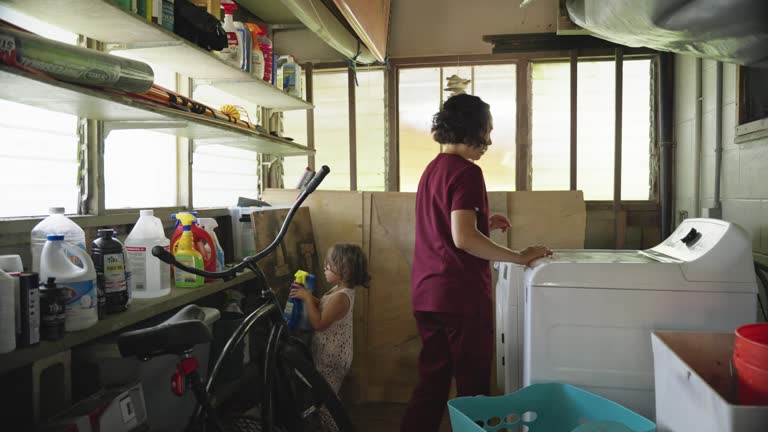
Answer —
(111, 275)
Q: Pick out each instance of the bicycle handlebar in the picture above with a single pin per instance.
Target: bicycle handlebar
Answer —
(168, 258)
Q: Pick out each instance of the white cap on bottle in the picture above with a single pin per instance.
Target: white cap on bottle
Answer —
(56, 210)
(146, 212)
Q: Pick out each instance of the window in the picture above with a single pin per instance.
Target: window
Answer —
(419, 98)
(550, 121)
(140, 165)
(38, 158)
(221, 174)
(331, 99)
(753, 104)
(295, 126)
(371, 137)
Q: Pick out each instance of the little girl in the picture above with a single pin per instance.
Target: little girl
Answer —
(346, 267)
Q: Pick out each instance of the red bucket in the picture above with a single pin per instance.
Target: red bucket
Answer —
(750, 357)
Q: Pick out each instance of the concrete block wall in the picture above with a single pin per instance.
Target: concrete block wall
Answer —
(743, 184)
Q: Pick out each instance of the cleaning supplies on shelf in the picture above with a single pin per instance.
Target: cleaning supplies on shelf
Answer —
(80, 283)
(169, 14)
(209, 225)
(109, 258)
(72, 63)
(186, 254)
(291, 77)
(157, 11)
(55, 223)
(150, 277)
(144, 8)
(257, 57)
(265, 45)
(233, 54)
(246, 45)
(200, 239)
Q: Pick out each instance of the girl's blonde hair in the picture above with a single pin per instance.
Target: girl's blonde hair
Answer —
(349, 261)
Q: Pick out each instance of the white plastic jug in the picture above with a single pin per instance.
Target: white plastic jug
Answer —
(79, 283)
(58, 224)
(150, 277)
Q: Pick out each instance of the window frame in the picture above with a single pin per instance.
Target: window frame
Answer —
(524, 138)
(746, 130)
(310, 70)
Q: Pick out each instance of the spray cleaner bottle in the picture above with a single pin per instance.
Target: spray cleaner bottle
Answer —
(294, 308)
(233, 54)
(186, 254)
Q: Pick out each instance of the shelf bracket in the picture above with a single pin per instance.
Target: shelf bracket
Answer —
(110, 126)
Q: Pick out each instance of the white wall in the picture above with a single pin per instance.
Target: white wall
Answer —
(437, 27)
(743, 186)
(440, 27)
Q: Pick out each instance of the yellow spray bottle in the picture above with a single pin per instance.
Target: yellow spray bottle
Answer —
(185, 253)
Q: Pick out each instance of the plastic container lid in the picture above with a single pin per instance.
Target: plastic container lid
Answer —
(55, 237)
(56, 210)
(106, 233)
(146, 212)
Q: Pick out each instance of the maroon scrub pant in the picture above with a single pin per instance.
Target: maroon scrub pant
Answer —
(452, 346)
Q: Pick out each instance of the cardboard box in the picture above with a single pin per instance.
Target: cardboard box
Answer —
(695, 388)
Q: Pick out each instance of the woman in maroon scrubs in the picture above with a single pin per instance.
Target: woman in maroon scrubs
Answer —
(451, 278)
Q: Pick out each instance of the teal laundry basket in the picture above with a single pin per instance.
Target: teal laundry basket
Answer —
(551, 407)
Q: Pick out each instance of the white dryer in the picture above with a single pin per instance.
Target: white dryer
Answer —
(584, 317)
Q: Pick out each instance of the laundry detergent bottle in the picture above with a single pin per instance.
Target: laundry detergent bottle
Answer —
(186, 254)
(79, 283)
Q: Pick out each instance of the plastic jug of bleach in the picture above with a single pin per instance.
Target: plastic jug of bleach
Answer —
(150, 277)
(79, 283)
(59, 224)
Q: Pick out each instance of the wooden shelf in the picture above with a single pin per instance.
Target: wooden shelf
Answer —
(139, 310)
(120, 112)
(140, 39)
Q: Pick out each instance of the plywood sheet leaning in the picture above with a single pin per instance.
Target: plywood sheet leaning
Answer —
(296, 251)
(556, 219)
(337, 215)
(393, 342)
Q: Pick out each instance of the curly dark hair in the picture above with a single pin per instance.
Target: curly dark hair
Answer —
(463, 119)
(350, 263)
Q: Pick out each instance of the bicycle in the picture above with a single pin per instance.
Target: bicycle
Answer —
(284, 358)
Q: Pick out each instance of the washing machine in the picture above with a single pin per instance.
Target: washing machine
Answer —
(585, 317)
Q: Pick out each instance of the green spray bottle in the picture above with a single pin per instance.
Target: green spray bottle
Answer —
(186, 254)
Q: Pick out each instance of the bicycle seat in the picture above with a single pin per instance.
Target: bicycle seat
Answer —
(176, 335)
